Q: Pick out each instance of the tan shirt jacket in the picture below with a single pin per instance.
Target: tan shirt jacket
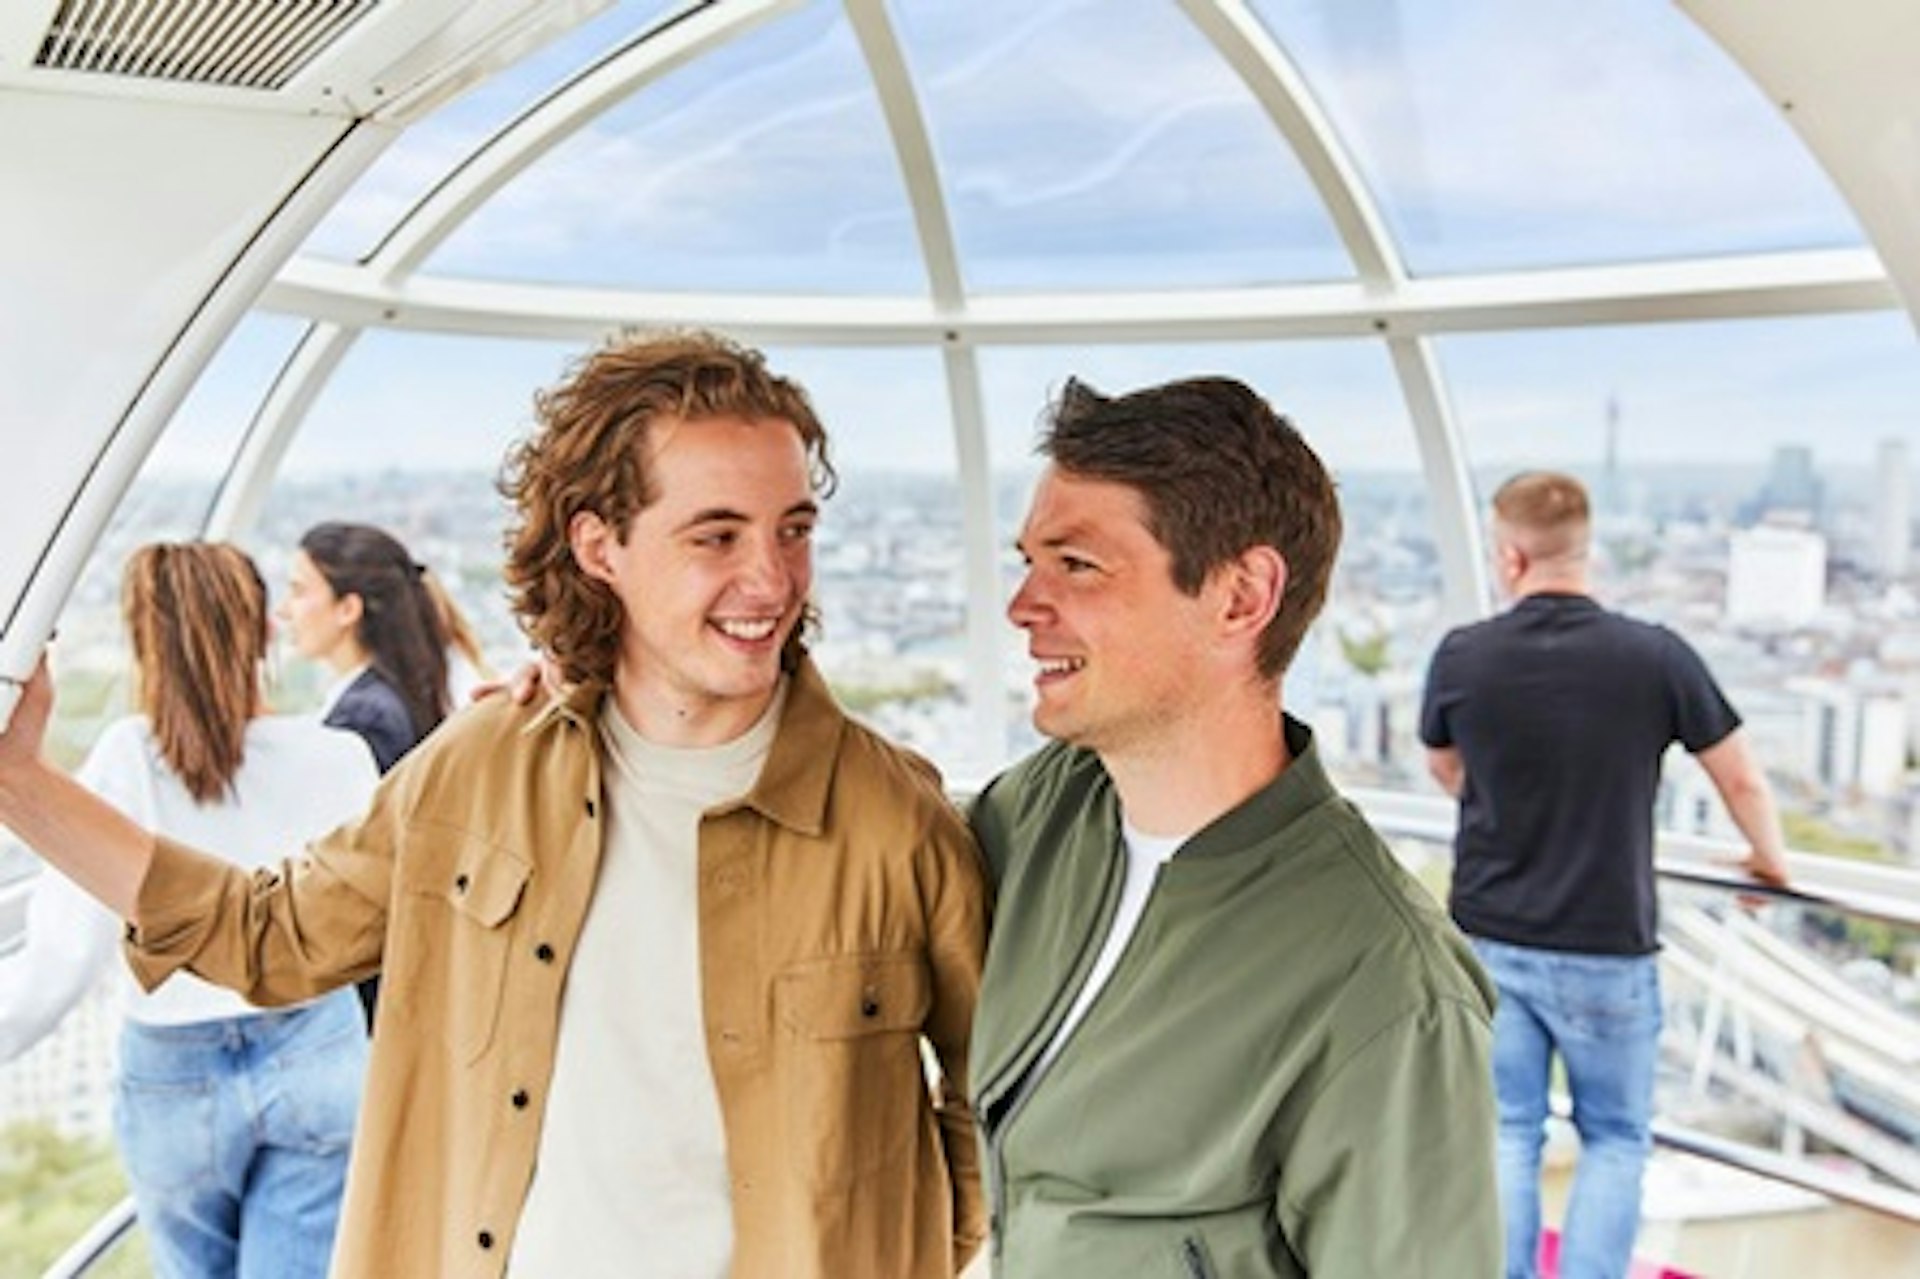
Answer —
(842, 917)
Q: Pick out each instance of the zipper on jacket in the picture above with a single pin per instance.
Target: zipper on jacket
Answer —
(1193, 1255)
(994, 1097)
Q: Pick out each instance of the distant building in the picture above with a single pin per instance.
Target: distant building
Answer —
(1855, 738)
(1793, 489)
(1892, 509)
(66, 1080)
(1776, 577)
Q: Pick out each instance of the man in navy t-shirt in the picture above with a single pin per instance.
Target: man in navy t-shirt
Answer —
(1548, 723)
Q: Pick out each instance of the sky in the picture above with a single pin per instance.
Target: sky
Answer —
(1496, 135)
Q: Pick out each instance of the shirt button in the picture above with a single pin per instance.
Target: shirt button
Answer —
(486, 1238)
(519, 1099)
(543, 953)
(460, 882)
(589, 805)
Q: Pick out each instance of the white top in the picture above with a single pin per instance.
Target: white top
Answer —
(1146, 854)
(298, 781)
(640, 1180)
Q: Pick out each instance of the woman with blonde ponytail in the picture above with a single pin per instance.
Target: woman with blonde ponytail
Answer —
(234, 1122)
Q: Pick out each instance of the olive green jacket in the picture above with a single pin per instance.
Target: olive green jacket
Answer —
(842, 918)
(1287, 1073)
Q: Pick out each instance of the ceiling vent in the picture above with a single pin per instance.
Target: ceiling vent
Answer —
(246, 44)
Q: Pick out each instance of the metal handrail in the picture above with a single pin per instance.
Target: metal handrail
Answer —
(100, 1239)
(1887, 1201)
(1876, 890)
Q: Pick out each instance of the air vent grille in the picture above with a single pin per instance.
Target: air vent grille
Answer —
(250, 44)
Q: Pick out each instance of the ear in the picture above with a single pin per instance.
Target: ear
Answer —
(590, 538)
(1513, 560)
(1254, 584)
(349, 609)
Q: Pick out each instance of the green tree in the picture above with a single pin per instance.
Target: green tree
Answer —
(1367, 654)
(52, 1188)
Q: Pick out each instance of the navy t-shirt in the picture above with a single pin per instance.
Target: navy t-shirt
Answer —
(1561, 711)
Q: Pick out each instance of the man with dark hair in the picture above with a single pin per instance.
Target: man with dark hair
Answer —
(662, 955)
(1549, 723)
(1222, 1032)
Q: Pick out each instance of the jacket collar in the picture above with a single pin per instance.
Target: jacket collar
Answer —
(1302, 786)
(794, 783)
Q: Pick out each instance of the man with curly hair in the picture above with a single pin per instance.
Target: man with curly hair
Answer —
(662, 954)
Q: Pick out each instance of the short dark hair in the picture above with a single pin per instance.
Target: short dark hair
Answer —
(1220, 472)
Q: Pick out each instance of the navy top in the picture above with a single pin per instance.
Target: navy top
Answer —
(374, 709)
(1561, 711)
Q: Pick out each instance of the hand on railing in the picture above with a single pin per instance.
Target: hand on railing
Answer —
(1765, 867)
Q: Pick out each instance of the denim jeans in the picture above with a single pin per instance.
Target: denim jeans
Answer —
(235, 1136)
(1601, 1014)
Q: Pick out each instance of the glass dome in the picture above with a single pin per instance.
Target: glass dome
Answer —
(1669, 247)
(1447, 240)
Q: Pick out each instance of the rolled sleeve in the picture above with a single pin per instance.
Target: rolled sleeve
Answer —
(275, 935)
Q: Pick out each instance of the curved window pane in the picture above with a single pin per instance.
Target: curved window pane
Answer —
(890, 552)
(1356, 675)
(1524, 133)
(1066, 166)
(763, 165)
(433, 148)
(1752, 483)
(169, 500)
(410, 435)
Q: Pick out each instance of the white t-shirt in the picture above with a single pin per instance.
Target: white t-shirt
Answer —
(299, 780)
(631, 1176)
(1146, 854)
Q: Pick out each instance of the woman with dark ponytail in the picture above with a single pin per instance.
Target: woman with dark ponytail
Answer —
(358, 603)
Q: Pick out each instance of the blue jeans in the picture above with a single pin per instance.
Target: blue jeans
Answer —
(235, 1135)
(1601, 1013)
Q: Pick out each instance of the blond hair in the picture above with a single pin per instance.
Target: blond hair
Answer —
(1546, 514)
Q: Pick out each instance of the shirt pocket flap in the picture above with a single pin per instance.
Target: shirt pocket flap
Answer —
(854, 996)
(488, 888)
(484, 883)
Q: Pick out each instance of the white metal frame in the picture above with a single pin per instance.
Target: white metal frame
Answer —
(389, 291)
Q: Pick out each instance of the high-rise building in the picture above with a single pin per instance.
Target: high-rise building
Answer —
(1776, 577)
(1612, 494)
(1892, 509)
(1855, 736)
(1793, 489)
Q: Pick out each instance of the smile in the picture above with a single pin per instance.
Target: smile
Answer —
(748, 630)
(1061, 665)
